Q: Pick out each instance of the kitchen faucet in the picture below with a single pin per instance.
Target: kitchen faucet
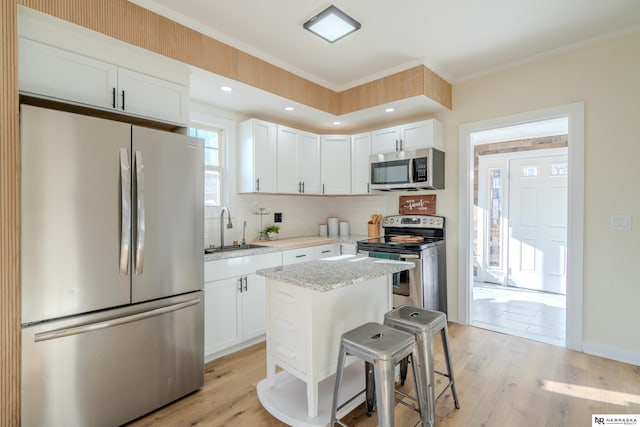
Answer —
(229, 224)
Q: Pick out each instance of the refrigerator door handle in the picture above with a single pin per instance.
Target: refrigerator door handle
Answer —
(125, 211)
(76, 330)
(140, 213)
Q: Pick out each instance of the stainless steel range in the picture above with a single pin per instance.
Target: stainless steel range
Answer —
(418, 239)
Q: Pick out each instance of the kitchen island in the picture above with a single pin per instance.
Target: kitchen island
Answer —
(309, 306)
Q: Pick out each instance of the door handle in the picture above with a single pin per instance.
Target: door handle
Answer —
(303, 187)
(113, 97)
(240, 281)
(123, 100)
(140, 229)
(125, 211)
(245, 283)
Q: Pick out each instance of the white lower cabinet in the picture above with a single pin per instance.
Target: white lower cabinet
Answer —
(294, 256)
(326, 251)
(234, 309)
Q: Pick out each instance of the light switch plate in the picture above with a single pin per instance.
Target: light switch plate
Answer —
(620, 222)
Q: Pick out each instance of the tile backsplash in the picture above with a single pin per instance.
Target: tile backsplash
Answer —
(301, 215)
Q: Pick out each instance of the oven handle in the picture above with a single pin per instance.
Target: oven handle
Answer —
(402, 256)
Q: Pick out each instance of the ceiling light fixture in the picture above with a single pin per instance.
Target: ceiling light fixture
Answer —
(226, 88)
(389, 110)
(332, 24)
(336, 123)
(288, 108)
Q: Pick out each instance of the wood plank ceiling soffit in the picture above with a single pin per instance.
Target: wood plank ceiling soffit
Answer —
(133, 24)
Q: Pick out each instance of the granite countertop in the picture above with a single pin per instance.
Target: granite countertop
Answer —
(335, 272)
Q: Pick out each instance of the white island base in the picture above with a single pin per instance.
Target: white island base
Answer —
(287, 399)
(309, 306)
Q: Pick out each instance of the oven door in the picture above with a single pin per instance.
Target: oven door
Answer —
(407, 284)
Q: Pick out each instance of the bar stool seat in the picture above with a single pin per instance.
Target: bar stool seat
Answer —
(423, 324)
(382, 347)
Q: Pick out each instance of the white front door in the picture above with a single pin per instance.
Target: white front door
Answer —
(538, 223)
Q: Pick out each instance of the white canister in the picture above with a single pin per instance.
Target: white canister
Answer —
(333, 226)
(322, 230)
(344, 229)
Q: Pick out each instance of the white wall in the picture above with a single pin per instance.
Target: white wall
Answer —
(606, 76)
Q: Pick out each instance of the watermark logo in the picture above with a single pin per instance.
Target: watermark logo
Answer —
(615, 420)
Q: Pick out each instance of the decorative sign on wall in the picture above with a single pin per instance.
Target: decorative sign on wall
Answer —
(424, 204)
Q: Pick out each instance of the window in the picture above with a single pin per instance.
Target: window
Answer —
(212, 164)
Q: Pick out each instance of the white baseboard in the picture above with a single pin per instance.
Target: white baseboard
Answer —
(213, 356)
(610, 352)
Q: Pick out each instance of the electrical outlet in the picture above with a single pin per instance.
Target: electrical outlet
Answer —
(277, 217)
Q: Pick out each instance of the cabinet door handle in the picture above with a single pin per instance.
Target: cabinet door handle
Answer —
(401, 145)
(301, 256)
(245, 283)
(123, 100)
(396, 145)
(113, 97)
(322, 188)
(303, 187)
(299, 187)
(258, 184)
(240, 281)
(326, 252)
(368, 190)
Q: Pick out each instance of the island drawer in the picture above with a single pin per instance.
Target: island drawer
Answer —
(288, 341)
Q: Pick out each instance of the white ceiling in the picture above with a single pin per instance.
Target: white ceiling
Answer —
(458, 39)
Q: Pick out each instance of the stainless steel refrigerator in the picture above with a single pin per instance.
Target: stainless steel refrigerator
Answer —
(112, 268)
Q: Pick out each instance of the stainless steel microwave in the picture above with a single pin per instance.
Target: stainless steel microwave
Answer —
(408, 170)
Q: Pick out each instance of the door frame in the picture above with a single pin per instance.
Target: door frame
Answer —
(505, 158)
(575, 230)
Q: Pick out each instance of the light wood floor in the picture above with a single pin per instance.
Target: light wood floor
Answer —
(502, 381)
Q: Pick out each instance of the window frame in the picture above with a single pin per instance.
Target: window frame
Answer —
(194, 131)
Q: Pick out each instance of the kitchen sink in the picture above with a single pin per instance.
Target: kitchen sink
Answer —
(232, 248)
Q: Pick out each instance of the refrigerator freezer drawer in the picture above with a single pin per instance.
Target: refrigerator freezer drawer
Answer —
(111, 367)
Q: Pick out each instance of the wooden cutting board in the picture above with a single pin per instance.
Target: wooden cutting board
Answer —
(407, 239)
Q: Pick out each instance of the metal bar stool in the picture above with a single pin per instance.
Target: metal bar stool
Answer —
(423, 324)
(383, 347)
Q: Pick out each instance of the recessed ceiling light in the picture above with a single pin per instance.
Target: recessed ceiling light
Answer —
(332, 24)
(336, 123)
(288, 108)
(389, 110)
(226, 88)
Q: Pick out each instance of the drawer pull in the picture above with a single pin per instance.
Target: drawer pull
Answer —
(286, 352)
(286, 324)
(301, 256)
(283, 297)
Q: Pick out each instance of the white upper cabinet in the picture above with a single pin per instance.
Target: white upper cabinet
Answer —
(360, 153)
(427, 133)
(148, 96)
(411, 136)
(385, 140)
(257, 148)
(59, 74)
(298, 164)
(335, 163)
